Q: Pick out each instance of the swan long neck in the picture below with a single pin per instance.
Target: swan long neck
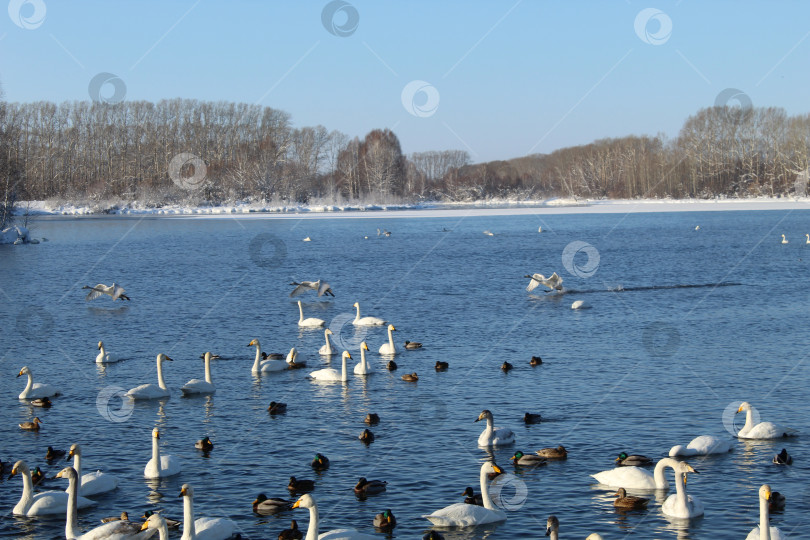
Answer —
(749, 420)
(391, 338)
(30, 384)
(485, 491)
(363, 359)
(257, 361)
(71, 529)
(300, 312)
(312, 529)
(326, 337)
(161, 382)
(156, 452)
(208, 369)
(102, 350)
(357, 317)
(680, 490)
(764, 520)
(659, 477)
(77, 464)
(554, 535)
(27, 494)
(163, 531)
(188, 518)
(343, 375)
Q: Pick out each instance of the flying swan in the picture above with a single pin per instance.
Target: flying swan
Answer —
(321, 287)
(114, 291)
(553, 282)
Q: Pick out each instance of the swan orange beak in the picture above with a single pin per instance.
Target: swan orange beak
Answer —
(297, 503)
(145, 525)
(740, 409)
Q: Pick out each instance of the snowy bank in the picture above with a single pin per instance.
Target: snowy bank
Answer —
(15, 235)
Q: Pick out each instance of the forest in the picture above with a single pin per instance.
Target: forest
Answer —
(108, 154)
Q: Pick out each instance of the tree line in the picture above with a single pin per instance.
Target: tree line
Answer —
(88, 151)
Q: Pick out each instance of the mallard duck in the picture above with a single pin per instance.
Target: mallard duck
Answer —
(123, 517)
(777, 502)
(628, 503)
(5, 466)
(522, 459)
(170, 523)
(264, 505)
(782, 458)
(277, 408)
(410, 377)
(31, 426)
(535, 361)
(42, 402)
(634, 460)
(506, 366)
(372, 418)
(385, 521)
(432, 535)
(441, 366)
(300, 486)
(472, 497)
(204, 444)
(320, 462)
(553, 453)
(367, 436)
(292, 533)
(37, 476)
(213, 356)
(369, 487)
(52, 454)
(411, 345)
(532, 418)
(391, 365)
(271, 356)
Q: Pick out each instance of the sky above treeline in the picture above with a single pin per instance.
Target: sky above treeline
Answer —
(498, 79)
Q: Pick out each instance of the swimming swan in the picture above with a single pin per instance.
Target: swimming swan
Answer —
(307, 323)
(680, 504)
(35, 390)
(636, 477)
(92, 483)
(330, 374)
(363, 368)
(326, 350)
(467, 515)
(784, 240)
(198, 386)
(553, 282)
(202, 528)
(44, 502)
(306, 501)
(160, 466)
(492, 436)
(366, 321)
(114, 291)
(152, 391)
(103, 356)
(156, 521)
(389, 348)
(764, 531)
(263, 366)
(702, 446)
(763, 430)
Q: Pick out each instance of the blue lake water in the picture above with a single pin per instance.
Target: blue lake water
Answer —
(650, 365)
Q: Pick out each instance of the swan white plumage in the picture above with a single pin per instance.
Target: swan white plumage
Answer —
(43, 503)
(492, 436)
(158, 522)
(152, 391)
(808, 238)
(115, 530)
(326, 350)
(103, 356)
(467, 515)
(202, 528)
(199, 386)
(160, 466)
(92, 483)
(702, 446)
(366, 321)
(635, 477)
(764, 531)
(114, 291)
(330, 374)
(553, 282)
(763, 430)
(35, 390)
(389, 348)
(363, 367)
(579, 304)
(784, 240)
(310, 322)
(260, 365)
(680, 504)
(307, 501)
(321, 287)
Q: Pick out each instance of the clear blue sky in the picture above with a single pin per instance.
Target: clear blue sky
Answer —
(511, 77)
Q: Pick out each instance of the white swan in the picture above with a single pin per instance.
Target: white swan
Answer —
(321, 287)
(202, 528)
(579, 304)
(43, 503)
(306, 501)
(92, 483)
(366, 321)
(680, 504)
(363, 368)
(784, 240)
(492, 436)
(764, 531)
(152, 391)
(199, 386)
(467, 515)
(158, 522)
(808, 238)
(263, 366)
(160, 466)
(326, 350)
(310, 322)
(702, 446)
(330, 374)
(552, 282)
(636, 477)
(103, 356)
(389, 348)
(117, 530)
(114, 291)
(763, 430)
(35, 390)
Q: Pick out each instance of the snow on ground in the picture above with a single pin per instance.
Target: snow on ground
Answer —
(15, 235)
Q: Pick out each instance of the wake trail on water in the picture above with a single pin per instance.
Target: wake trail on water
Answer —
(621, 288)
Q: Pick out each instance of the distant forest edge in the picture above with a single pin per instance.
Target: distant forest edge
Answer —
(197, 152)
